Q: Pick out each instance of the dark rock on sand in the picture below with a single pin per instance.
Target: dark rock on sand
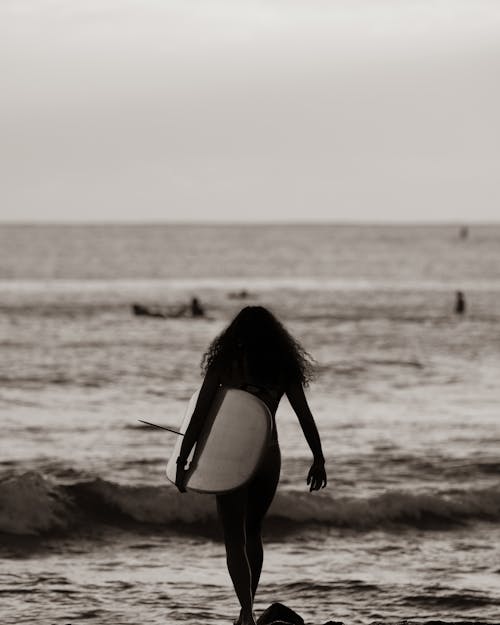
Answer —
(279, 614)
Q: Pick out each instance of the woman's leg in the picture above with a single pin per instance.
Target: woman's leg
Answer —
(232, 510)
(261, 492)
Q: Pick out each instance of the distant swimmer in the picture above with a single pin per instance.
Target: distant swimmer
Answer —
(145, 311)
(459, 303)
(193, 309)
(197, 309)
(243, 294)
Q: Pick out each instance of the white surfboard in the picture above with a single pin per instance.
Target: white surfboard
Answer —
(231, 444)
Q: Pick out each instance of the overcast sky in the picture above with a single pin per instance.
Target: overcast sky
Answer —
(183, 110)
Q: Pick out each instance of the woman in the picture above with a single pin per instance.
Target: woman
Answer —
(255, 353)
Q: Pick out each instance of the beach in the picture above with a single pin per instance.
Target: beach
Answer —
(406, 400)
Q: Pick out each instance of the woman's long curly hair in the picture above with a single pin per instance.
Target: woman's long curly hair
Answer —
(271, 354)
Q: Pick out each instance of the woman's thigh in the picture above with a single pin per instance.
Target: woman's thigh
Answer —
(262, 488)
(232, 509)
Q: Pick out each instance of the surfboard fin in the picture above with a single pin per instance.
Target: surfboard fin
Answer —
(162, 427)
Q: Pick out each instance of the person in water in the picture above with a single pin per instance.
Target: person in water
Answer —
(459, 303)
(197, 309)
(257, 354)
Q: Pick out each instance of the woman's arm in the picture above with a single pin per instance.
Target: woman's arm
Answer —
(296, 396)
(298, 401)
(207, 393)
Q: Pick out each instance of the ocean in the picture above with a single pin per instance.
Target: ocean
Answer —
(406, 400)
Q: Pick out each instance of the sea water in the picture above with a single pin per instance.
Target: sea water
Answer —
(406, 400)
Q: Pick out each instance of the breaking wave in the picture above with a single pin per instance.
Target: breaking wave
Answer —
(34, 504)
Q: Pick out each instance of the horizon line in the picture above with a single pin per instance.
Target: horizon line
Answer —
(292, 222)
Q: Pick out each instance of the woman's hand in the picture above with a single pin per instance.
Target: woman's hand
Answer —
(180, 478)
(316, 477)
